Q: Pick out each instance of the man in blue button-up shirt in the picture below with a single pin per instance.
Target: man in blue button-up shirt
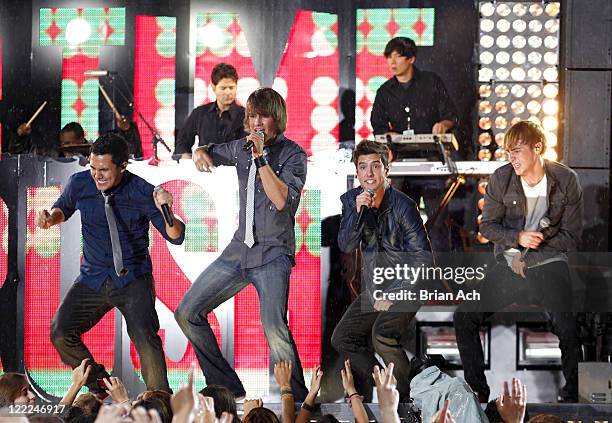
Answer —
(99, 286)
(266, 260)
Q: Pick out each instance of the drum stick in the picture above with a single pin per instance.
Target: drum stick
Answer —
(36, 113)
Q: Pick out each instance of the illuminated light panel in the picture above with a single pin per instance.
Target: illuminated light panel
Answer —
(220, 38)
(307, 76)
(250, 347)
(308, 73)
(199, 211)
(536, 346)
(155, 80)
(42, 265)
(506, 30)
(81, 33)
(375, 27)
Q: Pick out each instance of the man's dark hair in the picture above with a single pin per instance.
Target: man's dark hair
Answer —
(267, 102)
(366, 147)
(223, 70)
(113, 144)
(260, 415)
(153, 403)
(74, 127)
(404, 46)
(223, 397)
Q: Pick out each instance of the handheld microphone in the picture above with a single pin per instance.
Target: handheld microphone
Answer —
(248, 146)
(165, 208)
(542, 226)
(98, 73)
(362, 211)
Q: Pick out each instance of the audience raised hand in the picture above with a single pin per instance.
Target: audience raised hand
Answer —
(511, 406)
(184, 401)
(308, 406)
(116, 390)
(388, 396)
(355, 400)
(282, 374)
(79, 378)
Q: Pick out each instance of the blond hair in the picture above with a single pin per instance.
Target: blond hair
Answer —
(525, 133)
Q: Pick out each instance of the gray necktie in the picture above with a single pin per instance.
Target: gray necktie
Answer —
(249, 239)
(114, 235)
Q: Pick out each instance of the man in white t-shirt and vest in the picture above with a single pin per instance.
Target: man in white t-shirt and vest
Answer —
(533, 215)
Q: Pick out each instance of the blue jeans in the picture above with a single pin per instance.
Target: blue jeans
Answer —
(222, 280)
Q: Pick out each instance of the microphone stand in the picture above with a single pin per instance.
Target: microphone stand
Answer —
(156, 139)
(456, 178)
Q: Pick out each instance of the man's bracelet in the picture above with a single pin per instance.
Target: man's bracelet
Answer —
(286, 392)
(260, 161)
(308, 407)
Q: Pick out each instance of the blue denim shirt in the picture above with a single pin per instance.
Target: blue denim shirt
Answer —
(134, 208)
(274, 229)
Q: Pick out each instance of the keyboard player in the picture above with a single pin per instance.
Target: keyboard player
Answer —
(415, 100)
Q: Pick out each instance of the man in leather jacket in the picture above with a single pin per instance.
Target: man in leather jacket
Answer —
(388, 232)
(533, 215)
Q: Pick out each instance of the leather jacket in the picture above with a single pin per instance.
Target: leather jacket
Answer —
(399, 236)
(505, 208)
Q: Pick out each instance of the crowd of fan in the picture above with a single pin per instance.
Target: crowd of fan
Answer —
(216, 404)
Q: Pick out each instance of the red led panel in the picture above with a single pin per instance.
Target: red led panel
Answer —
(81, 32)
(307, 76)
(375, 27)
(220, 38)
(42, 298)
(194, 207)
(154, 79)
(308, 79)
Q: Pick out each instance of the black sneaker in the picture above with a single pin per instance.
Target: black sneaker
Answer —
(95, 381)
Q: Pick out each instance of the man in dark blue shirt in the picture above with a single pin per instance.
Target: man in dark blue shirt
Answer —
(218, 121)
(271, 173)
(116, 207)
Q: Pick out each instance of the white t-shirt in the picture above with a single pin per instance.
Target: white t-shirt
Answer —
(537, 206)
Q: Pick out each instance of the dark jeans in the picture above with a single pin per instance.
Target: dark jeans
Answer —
(84, 307)
(218, 283)
(546, 286)
(432, 190)
(364, 331)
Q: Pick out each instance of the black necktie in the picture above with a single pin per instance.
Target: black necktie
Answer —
(114, 235)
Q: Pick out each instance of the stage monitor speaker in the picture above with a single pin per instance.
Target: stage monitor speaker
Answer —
(587, 26)
(586, 134)
(596, 194)
(595, 383)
